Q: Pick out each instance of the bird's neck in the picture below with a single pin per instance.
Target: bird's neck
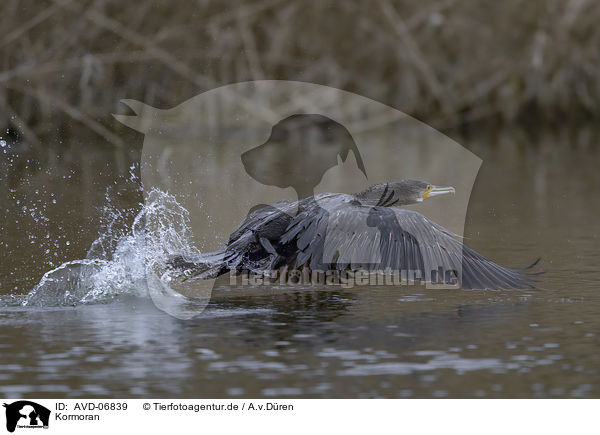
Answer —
(380, 195)
(372, 195)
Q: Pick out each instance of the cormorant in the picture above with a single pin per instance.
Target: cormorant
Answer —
(331, 231)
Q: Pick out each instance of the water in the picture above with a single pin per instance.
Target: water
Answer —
(534, 196)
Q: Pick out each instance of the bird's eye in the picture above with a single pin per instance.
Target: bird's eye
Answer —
(429, 187)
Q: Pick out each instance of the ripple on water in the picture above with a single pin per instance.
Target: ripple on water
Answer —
(439, 361)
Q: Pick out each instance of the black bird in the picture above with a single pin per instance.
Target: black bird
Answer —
(368, 230)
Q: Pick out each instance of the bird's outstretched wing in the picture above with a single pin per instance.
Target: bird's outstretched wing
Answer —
(341, 234)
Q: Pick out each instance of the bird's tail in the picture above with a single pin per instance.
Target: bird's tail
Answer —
(207, 266)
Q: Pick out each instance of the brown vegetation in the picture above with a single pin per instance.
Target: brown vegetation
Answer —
(68, 62)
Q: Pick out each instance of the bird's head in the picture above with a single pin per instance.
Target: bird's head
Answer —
(401, 192)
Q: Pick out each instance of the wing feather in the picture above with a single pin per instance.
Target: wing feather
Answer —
(341, 234)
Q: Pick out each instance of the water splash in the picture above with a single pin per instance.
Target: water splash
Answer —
(124, 262)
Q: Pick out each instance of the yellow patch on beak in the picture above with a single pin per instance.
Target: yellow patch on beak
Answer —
(427, 193)
(436, 190)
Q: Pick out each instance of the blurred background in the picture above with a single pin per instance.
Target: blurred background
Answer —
(473, 69)
(66, 64)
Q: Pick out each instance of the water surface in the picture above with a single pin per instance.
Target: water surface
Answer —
(533, 197)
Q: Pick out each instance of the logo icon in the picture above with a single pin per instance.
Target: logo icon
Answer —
(26, 414)
(318, 169)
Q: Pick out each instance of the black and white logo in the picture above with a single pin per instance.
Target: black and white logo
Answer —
(26, 414)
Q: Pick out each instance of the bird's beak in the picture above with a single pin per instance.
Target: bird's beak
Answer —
(437, 190)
